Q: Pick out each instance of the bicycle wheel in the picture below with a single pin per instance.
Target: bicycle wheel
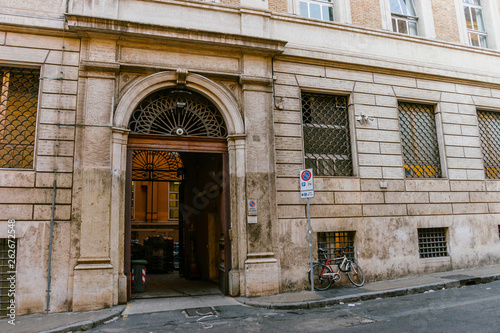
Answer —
(355, 274)
(321, 281)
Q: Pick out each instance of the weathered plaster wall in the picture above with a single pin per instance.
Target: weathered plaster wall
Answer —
(386, 220)
(26, 195)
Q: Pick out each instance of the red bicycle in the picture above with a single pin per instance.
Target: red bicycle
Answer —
(324, 274)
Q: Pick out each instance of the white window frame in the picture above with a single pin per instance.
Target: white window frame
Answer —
(407, 18)
(425, 22)
(491, 17)
(341, 10)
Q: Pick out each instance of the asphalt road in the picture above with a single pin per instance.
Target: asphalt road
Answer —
(468, 309)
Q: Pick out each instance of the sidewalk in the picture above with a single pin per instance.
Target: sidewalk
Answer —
(372, 290)
(82, 321)
(61, 322)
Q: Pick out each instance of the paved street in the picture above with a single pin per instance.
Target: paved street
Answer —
(474, 308)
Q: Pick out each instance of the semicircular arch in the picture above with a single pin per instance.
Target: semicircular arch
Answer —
(224, 102)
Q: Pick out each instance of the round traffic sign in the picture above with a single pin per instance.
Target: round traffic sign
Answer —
(305, 175)
(251, 204)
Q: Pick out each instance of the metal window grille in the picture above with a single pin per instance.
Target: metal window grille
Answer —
(337, 243)
(4, 274)
(18, 109)
(177, 112)
(419, 141)
(489, 132)
(432, 243)
(327, 143)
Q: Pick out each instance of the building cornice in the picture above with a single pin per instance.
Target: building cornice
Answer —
(87, 26)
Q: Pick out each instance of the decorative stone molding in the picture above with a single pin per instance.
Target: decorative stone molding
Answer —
(181, 76)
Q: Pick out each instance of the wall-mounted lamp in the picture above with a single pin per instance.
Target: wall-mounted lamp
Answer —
(363, 119)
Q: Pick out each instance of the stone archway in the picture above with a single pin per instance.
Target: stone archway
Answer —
(229, 110)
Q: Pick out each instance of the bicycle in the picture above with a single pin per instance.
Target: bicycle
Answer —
(324, 275)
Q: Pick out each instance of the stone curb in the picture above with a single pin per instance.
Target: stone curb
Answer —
(447, 284)
(88, 324)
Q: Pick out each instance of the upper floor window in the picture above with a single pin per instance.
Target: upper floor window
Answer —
(489, 132)
(327, 144)
(419, 140)
(18, 108)
(317, 9)
(404, 17)
(475, 23)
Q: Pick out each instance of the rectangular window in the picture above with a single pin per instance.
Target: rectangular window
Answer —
(489, 133)
(419, 140)
(404, 17)
(336, 243)
(432, 243)
(317, 9)
(173, 200)
(4, 275)
(327, 143)
(18, 108)
(475, 24)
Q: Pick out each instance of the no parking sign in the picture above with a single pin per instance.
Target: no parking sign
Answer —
(306, 183)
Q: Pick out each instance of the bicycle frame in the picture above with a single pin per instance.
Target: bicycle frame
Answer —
(341, 267)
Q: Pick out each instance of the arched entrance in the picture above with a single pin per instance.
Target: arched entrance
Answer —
(229, 149)
(179, 195)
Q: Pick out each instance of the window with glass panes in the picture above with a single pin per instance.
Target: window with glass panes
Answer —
(18, 109)
(419, 140)
(317, 9)
(327, 143)
(173, 200)
(404, 17)
(476, 29)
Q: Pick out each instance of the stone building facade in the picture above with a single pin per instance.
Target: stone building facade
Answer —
(395, 110)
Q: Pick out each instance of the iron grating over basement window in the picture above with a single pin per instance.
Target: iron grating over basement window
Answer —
(432, 243)
(336, 243)
(5, 273)
(419, 140)
(489, 133)
(327, 143)
(18, 111)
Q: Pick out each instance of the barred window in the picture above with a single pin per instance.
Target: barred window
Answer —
(432, 242)
(327, 143)
(5, 274)
(18, 108)
(419, 141)
(489, 132)
(337, 243)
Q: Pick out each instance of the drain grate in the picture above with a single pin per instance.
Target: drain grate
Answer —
(201, 312)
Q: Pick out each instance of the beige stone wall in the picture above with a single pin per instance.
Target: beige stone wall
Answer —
(445, 20)
(366, 13)
(26, 195)
(386, 220)
(279, 6)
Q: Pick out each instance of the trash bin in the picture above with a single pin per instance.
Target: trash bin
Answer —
(139, 276)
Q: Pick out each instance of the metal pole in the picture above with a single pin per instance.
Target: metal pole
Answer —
(49, 278)
(310, 246)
